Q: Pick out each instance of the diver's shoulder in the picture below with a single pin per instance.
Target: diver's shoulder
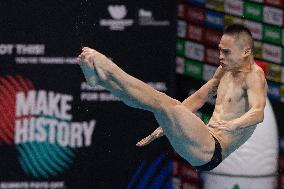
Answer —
(256, 71)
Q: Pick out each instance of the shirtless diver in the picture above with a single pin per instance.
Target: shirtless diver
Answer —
(241, 91)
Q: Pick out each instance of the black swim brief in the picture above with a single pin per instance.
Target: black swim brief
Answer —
(215, 160)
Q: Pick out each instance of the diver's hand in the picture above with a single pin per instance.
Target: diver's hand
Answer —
(223, 125)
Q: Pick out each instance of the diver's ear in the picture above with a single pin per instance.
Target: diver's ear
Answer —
(247, 52)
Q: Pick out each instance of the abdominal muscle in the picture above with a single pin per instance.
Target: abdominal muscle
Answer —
(230, 140)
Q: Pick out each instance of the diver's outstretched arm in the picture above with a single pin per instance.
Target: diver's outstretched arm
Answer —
(150, 138)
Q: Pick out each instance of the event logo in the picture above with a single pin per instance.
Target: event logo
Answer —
(146, 18)
(118, 22)
(117, 11)
(39, 124)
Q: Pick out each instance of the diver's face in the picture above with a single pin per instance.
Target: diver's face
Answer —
(230, 54)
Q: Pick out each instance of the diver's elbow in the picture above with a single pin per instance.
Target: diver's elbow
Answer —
(260, 117)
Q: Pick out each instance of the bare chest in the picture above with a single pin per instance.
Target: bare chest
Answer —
(232, 93)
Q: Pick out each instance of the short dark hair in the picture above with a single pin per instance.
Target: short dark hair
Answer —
(238, 30)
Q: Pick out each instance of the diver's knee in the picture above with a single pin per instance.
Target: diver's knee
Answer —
(165, 102)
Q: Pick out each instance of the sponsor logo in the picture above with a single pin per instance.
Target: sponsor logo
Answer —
(185, 185)
(281, 156)
(154, 167)
(274, 90)
(176, 168)
(234, 7)
(40, 125)
(272, 34)
(180, 47)
(217, 5)
(181, 28)
(194, 50)
(257, 49)
(118, 22)
(146, 18)
(208, 72)
(275, 2)
(196, 2)
(282, 75)
(282, 92)
(273, 16)
(195, 32)
(179, 65)
(283, 37)
(259, 1)
(193, 69)
(253, 11)
(229, 19)
(282, 56)
(214, 20)
(281, 177)
(271, 53)
(255, 29)
(212, 37)
(195, 14)
(281, 149)
(186, 171)
(274, 72)
(181, 10)
(212, 56)
(176, 182)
